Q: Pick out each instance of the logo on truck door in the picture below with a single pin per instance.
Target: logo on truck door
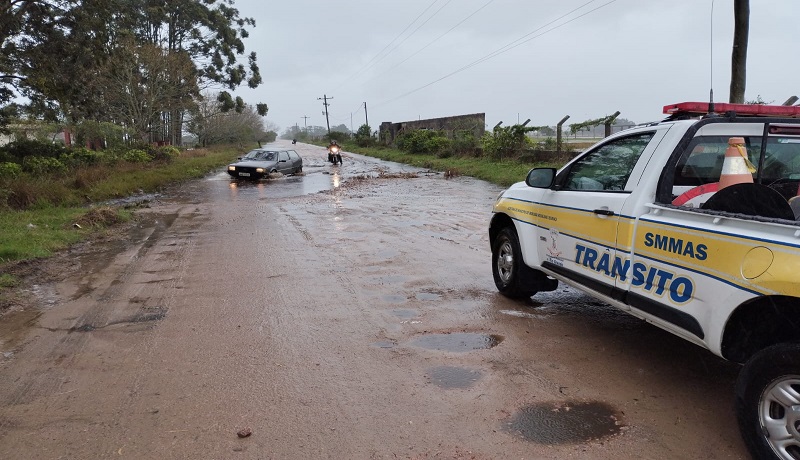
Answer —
(648, 278)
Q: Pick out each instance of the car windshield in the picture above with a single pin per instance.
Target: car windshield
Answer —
(261, 155)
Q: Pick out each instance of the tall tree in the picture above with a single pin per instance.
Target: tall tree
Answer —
(741, 32)
(210, 31)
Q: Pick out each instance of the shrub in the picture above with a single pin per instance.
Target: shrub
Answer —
(364, 136)
(423, 141)
(136, 156)
(40, 166)
(464, 143)
(81, 156)
(22, 148)
(438, 145)
(164, 154)
(10, 170)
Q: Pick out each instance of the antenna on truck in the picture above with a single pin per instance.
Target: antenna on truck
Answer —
(711, 47)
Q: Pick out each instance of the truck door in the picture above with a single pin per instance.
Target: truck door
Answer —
(581, 215)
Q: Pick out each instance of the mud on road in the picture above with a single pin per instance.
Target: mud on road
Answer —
(348, 312)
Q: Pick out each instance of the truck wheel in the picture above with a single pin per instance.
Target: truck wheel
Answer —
(768, 402)
(507, 265)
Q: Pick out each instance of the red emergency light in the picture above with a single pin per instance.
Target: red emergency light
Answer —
(702, 108)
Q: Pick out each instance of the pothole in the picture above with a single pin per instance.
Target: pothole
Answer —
(457, 342)
(565, 423)
(453, 377)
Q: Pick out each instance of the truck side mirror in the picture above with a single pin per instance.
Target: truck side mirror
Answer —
(541, 177)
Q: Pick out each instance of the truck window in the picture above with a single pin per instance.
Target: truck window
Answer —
(698, 170)
(608, 167)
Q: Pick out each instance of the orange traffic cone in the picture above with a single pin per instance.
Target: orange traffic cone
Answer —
(737, 168)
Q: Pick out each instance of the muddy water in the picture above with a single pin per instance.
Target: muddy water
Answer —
(348, 312)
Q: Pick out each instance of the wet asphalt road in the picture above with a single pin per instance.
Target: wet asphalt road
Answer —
(348, 312)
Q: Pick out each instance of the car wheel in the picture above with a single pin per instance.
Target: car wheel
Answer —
(768, 402)
(508, 267)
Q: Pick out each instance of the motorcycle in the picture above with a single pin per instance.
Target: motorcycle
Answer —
(294, 141)
(334, 154)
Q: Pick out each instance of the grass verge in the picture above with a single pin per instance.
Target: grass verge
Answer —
(500, 172)
(46, 228)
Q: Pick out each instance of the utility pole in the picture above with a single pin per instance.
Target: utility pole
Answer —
(325, 104)
(366, 117)
(305, 122)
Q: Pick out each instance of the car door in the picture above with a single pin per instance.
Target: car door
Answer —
(581, 213)
(297, 163)
(284, 165)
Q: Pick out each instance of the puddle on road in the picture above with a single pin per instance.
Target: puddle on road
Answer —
(427, 296)
(565, 423)
(405, 313)
(457, 342)
(394, 298)
(451, 377)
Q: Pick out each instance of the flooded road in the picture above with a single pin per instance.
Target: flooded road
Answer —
(348, 312)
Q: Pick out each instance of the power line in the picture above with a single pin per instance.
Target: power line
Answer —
(518, 42)
(432, 41)
(408, 36)
(388, 45)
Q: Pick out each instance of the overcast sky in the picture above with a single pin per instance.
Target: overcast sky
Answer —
(585, 59)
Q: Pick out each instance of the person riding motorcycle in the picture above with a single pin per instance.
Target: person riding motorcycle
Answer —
(334, 152)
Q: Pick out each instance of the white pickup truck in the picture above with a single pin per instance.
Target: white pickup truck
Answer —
(690, 224)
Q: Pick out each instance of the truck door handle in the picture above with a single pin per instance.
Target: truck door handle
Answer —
(603, 212)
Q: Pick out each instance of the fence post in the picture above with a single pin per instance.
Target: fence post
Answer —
(558, 133)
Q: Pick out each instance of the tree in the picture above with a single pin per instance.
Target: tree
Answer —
(342, 128)
(145, 82)
(210, 31)
(364, 136)
(97, 59)
(741, 21)
(212, 124)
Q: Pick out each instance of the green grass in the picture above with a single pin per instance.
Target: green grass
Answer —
(37, 233)
(500, 172)
(48, 226)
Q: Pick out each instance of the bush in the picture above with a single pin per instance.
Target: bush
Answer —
(423, 141)
(22, 148)
(10, 170)
(364, 136)
(439, 145)
(81, 156)
(41, 166)
(136, 156)
(164, 154)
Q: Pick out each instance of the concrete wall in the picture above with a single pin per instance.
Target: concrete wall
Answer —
(475, 122)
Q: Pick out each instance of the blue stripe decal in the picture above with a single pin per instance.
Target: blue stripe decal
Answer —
(563, 207)
(568, 234)
(715, 232)
(721, 280)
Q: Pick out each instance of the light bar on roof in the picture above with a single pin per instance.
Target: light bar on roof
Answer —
(701, 108)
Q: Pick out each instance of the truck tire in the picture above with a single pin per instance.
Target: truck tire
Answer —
(508, 268)
(768, 402)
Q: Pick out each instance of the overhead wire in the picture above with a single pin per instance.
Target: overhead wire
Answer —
(408, 36)
(388, 45)
(431, 42)
(518, 42)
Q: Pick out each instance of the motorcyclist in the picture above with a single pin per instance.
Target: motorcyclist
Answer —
(334, 152)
